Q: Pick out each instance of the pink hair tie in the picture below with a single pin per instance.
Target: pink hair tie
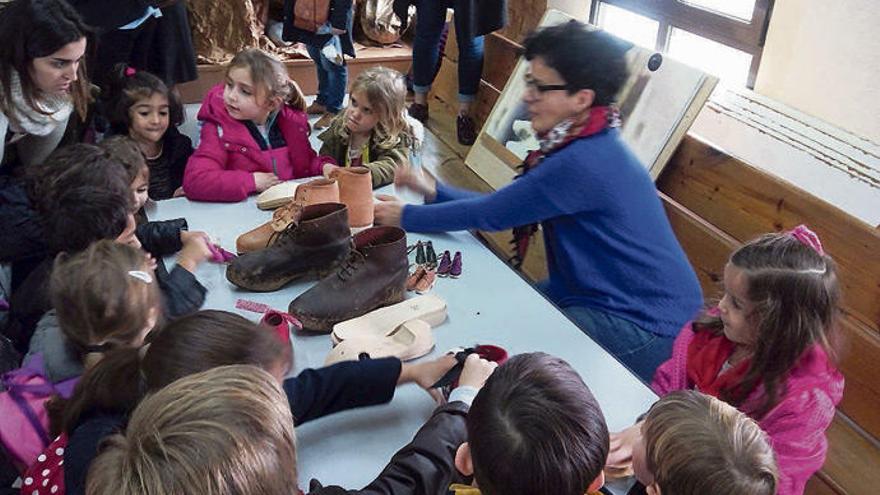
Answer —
(130, 72)
(808, 238)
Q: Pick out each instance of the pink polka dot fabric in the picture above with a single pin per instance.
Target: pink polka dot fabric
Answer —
(46, 475)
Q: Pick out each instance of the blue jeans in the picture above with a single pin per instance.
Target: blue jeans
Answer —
(639, 350)
(426, 51)
(332, 80)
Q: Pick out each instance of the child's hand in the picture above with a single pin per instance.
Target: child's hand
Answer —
(178, 193)
(328, 169)
(476, 371)
(336, 31)
(388, 211)
(427, 374)
(410, 178)
(195, 250)
(620, 454)
(265, 180)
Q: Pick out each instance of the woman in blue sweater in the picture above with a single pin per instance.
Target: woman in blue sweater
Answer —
(615, 265)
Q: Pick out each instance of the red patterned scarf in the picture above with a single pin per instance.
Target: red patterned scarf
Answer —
(564, 133)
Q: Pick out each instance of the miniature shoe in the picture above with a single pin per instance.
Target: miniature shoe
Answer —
(409, 340)
(414, 278)
(424, 284)
(420, 253)
(356, 192)
(466, 130)
(430, 255)
(455, 269)
(445, 265)
(419, 112)
(281, 323)
(381, 322)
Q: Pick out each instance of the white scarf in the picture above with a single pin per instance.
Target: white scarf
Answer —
(23, 118)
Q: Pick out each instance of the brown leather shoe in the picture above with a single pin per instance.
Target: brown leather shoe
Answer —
(356, 192)
(311, 193)
(316, 109)
(373, 276)
(315, 241)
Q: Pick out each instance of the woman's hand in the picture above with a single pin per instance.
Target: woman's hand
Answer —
(388, 211)
(416, 181)
(265, 180)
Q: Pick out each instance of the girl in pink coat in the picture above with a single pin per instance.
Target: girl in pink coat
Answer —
(254, 133)
(765, 349)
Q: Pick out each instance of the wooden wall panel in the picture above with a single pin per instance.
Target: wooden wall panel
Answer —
(745, 202)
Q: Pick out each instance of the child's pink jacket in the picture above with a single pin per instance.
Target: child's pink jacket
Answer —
(796, 425)
(221, 167)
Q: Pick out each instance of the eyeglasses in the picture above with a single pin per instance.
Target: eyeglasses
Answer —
(539, 89)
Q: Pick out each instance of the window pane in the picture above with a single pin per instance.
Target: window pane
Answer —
(741, 9)
(632, 27)
(729, 64)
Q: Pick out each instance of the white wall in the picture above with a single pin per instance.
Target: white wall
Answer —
(823, 58)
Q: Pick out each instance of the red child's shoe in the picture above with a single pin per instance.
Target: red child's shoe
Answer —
(281, 323)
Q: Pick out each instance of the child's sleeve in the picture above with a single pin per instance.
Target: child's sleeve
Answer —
(672, 374)
(206, 177)
(315, 393)
(382, 168)
(161, 238)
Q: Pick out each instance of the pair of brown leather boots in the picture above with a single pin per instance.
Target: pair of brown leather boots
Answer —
(357, 275)
(352, 186)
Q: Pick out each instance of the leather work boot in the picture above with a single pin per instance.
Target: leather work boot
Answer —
(373, 276)
(356, 192)
(314, 243)
(311, 193)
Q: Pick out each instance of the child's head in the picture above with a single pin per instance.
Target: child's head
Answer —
(125, 150)
(781, 297)
(535, 428)
(377, 104)
(693, 444)
(257, 84)
(226, 430)
(82, 195)
(141, 106)
(105, 296)
(208, 339)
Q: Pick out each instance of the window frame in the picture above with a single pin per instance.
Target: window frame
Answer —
(747, 36)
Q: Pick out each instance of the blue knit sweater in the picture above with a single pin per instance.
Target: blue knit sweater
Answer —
(609, 244)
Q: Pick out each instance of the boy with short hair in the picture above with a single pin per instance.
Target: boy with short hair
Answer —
(695, 444)
(534, 428)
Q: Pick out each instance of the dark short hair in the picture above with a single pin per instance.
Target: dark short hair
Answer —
(536, 428)
(82, 195)
(125, 88)
(125, 150)
(585, 58)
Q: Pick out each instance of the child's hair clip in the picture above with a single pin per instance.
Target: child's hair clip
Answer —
(808, 238)
(130, 71)
(141, 275)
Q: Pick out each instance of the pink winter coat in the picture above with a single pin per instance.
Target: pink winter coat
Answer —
(222, 166)
(796, 425)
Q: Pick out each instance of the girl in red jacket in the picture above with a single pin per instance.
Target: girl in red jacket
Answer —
(254, 133)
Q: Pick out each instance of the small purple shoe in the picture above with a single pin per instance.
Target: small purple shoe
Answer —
(445, 265)
(455, 269)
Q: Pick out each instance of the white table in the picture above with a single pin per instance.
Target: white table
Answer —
(488, 304)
